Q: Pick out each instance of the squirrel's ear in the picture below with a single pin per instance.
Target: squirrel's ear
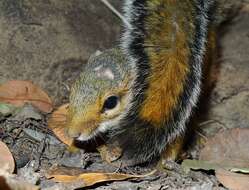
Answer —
(97, 53)
(104, 72)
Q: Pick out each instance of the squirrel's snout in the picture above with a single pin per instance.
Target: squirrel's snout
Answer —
(81, 130)
(73, 133)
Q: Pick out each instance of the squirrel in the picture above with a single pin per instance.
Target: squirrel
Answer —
(143, 92)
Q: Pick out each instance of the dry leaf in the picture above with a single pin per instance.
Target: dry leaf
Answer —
(188, 164)
(20, 92)
(90, 179)
(6, 159)
(229, 147)
(7, 109)
(57, 123)
(13, 182)
(233, 181)
(208, 165)
(3, 184)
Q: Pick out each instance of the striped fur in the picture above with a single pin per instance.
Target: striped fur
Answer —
(141, 138)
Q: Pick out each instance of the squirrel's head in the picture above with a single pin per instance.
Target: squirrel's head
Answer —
(100, 96)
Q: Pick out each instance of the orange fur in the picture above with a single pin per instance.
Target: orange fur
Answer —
(84, 122)
(169, 59)
(87, 121)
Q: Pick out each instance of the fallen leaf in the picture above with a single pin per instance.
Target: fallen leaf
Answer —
(64, 170)
(229, 147)
(240, 170)
(3, 184)
(208, 165)
(57, 123)
(20, 92)
(233, 181)
(90, 179)
(6, 159)
(7, 109)
(197, 165)
(13, 182)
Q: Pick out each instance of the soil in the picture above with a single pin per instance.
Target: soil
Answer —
(48, 42)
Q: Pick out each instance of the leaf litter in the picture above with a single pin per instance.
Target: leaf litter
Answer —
(227, 154)
(18, 93)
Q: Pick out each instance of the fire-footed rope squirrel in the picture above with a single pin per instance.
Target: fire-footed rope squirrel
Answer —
(142, 93)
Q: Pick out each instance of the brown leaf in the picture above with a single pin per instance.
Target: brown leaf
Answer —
(57, 123)
(90, 179)
(13, 182)
(20, 92)
(229, 147)
(6, 159)
(3, 184)
(234, 181)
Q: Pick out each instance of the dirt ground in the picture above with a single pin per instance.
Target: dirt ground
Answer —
(48, 42)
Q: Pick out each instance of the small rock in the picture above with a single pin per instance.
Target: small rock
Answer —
(29, 174)
(27, 112)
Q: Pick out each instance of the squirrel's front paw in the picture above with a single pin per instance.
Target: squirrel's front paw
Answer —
(110, 154)
(115, 156)
(164, 164)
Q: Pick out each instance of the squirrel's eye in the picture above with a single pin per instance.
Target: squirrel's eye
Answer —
(110, 103)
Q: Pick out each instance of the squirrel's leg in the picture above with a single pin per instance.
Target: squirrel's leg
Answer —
(171, 154)
(110, 154)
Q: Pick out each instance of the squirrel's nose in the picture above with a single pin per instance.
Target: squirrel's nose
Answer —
(72, 133)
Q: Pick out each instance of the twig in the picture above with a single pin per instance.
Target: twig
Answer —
(201, 135)
(115, 11)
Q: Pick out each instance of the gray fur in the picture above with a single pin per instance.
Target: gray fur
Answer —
(93, 84)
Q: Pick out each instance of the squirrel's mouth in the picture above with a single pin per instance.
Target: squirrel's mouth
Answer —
(91, 141)
(82, 131)
(89, 131)
(95, 132)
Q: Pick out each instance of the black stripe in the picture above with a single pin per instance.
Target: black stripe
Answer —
(141, 140)
(137, 50)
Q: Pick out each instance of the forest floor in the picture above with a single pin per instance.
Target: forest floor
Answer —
(48, 43)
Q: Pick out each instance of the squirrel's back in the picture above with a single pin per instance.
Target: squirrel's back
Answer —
(165, 45)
